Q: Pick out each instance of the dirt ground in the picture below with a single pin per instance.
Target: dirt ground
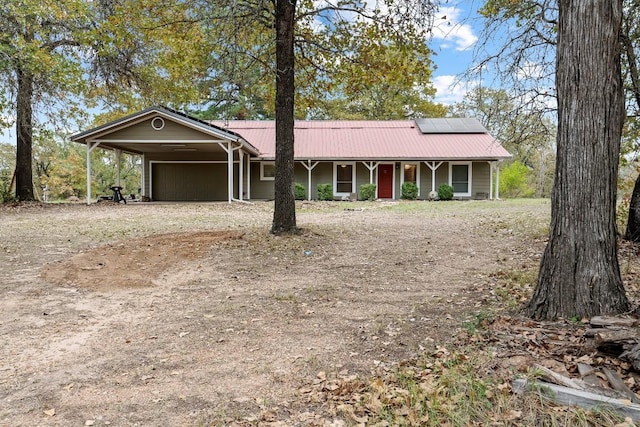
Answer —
(193, 314)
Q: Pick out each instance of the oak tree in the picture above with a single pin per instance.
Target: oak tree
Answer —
(579, 272)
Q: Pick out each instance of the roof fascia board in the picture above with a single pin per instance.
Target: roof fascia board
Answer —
(144, 115)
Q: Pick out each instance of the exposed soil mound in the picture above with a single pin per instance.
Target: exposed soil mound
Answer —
(133, 263)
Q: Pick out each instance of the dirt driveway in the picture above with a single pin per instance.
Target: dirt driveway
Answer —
(192, 314)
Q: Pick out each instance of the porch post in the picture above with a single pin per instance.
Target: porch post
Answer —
(371, 166)
(497, 181)
(118, 158)
(249, 177)
(433, 167)
(490, 180)
(240, 173)
(88, 172)
(230, 171)
(309, 168)
(90, 148)
(143, 190)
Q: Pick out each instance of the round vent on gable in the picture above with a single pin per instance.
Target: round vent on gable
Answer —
(157, 123)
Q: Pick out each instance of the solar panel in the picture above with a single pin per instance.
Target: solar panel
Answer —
(450, 125)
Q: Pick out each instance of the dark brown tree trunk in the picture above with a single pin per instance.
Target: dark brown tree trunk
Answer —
(284, 215)
(633, 222)
(24, 131)
(579, 272)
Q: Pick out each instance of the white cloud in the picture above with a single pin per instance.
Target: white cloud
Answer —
(448, 28)
(450, 90)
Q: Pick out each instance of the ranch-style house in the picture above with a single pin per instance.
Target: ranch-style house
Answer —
(186, 159)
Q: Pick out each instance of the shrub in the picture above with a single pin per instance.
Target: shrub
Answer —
(409, 190)
(325, 192)
(5, 192)
(445, 192)
(514, 181)
(368, 191)
(299, 191)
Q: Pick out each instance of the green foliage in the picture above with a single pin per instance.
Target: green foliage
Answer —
(368, 192)
(445, 192)
(5, 192)
(7, 162)
(514, 181)
(325, 192)
(299, 191)
(409, 190)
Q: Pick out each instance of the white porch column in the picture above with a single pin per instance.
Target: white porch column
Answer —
(309, 168)
(90, 147)
(240, 173)
(143, 190)
(497, 181)
(118, 159)
(230, 170)
(371, 166)
(433, 166)
(249, 177)
(490, 180)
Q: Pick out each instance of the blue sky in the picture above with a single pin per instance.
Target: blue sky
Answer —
(456, 33)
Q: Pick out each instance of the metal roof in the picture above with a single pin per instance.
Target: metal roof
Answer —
(371, 140)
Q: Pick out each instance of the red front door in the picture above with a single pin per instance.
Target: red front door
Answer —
(385, 181)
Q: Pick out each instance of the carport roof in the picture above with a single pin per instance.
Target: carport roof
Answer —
(98, 133)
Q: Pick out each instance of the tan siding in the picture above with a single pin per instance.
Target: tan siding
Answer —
(442, 175)
(362, 176)
(481, 182)
(260, 190)
(171, 132)
(322, 174)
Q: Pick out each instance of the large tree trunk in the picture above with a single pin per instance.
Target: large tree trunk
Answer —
(284, 215)
(633, 222)
(24, 130)
(579, 272)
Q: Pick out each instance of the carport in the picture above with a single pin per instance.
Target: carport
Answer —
(183, 158)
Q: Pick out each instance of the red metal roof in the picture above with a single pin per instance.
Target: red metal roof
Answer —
(369, 140)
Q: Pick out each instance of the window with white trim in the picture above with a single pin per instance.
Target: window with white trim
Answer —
(344, 178)
(410, 173)
(460, 178)
(267, 171)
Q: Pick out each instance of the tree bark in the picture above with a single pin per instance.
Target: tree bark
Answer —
(24, 131)
(579, 272)
(284, 215)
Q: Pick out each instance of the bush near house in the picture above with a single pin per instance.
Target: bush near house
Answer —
(445, 192)
(325, 192)
(300, 193)
(368, 192)
(409, 191)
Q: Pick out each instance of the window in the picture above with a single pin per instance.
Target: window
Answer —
(267, 171)
(411, 173)
(460, 178)
(344, 178)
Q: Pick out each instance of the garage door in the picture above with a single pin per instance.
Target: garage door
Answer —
(189, 182)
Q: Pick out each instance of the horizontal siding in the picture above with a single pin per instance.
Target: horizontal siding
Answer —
(481, 180)
(144, 131)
